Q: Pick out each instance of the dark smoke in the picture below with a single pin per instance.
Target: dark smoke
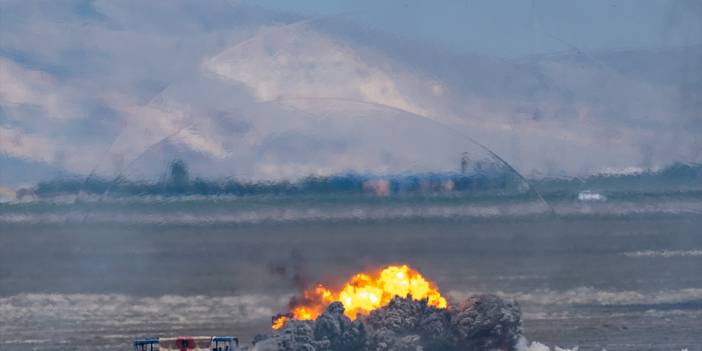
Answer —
(482, 322)
(292, 270)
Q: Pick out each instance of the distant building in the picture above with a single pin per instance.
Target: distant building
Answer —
(465, 161)
(436, 185)
(380, 187)
(448, 185)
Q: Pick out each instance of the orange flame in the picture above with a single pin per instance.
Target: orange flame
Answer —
(280, 320)
(364, 293)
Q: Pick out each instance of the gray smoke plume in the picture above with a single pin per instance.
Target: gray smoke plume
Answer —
(482, 322)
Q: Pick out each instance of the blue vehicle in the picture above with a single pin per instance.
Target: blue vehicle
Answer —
(146, 344)
(224, 343)
(188, 343)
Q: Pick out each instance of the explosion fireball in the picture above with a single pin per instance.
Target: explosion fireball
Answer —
(363, 293)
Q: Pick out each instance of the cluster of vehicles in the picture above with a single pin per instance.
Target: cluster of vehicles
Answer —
(188, 343)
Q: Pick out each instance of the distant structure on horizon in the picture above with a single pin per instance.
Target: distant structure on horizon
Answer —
(465, 161)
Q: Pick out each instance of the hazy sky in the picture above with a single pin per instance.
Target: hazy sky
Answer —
(516, 28)
(270, 89)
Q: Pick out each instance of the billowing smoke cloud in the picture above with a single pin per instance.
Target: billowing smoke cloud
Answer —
(481, 322)
(291, 270)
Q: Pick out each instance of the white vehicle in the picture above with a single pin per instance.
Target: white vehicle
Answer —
(589, 195)
(188, 343)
